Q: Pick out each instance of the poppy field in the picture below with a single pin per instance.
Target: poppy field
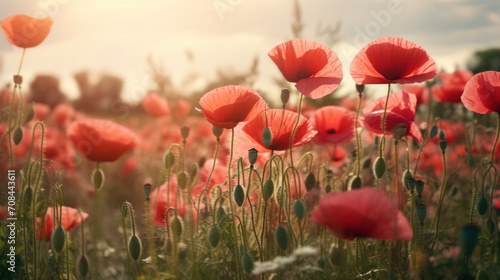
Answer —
(404, 186)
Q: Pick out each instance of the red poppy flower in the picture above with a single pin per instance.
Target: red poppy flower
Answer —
(101, 140)
(482, 93)
(160, 203)
(363, 212)
(452, 87)
(392, 60)
(25, 31)
(400, 112)
(70, 218)
(226, 106)
(422, 93)
(314, 68)
(62, 114)
(182, 109)
(41, 111)
(155, 106)
(281, 123)
(334, 124)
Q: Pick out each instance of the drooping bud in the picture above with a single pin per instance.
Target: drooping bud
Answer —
(58, 239)
(28, 193)
(310, 181)
(214, 236)
(182, 179)
(468, 238)
(299, 209)
(267, 189)
(379, 167)
(221, 213)
(30, 113)
(285, 95)
(420, 186)
(18, 135)
(83, 266)
(247, 263)
(97, 178)
(267, 137)
(239, 195)
(252, 156)
(169, 159)
(406, 176)
(134, 247)
(281, 237)
(217, 131)
(367, 163)
(421, 212)
(147, 190)
(184, 132)
(470, 159)
(434, 131)
(443, 144)
(482, 205)
(177, 227)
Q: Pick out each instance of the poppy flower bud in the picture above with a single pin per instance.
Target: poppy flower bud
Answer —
(217, 131)
(470, 159)
(221, 213)
(184, 132)
(285, 95)
(147, 190)
(454, 191)
(239, 195)
(468, 238)
(247, 263)
(134, 247)
(310, 181)
(83, 266)
(411, 184)
(177, 227)
(360, 88)
(182, 179)
(367, 163)
(267, 189)
(214, 236)
(97, 178)
(328, 188)
(28, 193)
(169, 159)
(434, 131)
(281, 237)
(321, 262)
(18, 79)
(379, 167)
(18, 135)
(30, 114)
(355, 183)
(252, 156)
(194, 170)
(267, 137)
(482, 205)
(399, 131)
(443, 144)
(421, 212)
(420, 186)
(442, 136)
(58, 239)
(406, 176)
(299, 209)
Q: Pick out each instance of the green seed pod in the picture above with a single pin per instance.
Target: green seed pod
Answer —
(321, 262)
(247, 263)
(421, 212)
(285, 95)
(411, 184)
(18, 135)
(239, 195)
(379, 167)
(299, 209)
(367, 163)
(470, 160)
(184, 132)
(406, 176)
(310, 181)
(97, 179)
(420, 186)
(355, 183)
(281, 237)
(469, 238)
(360, 88)
(182, 179)
(214, 235)
(169, 159)
(268, 189)
(443, 144)
(267, 137)
(134, 247)
(252, 156)
(217, 131)
(83, 266)
(58, 239)
(221, 213)
(434, 131)
(30, 114)
(441, 135)
(482, 205)
(147, 190)
(177, 227)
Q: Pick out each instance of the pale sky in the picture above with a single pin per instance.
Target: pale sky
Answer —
(116, 36)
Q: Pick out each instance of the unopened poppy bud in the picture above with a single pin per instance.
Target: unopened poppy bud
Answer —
(442, 136)
(239, 195)
(182, 179)
(28, 193)
(97, 178)
(310, 181)
(454, 191)
(443, 144)
(281, 237)
(267, 189)
(177, 227)
(184, 132)
(470, 160)
(169, 159)
(360, 88)
(83, 266)
(367, 163)
(18, 135)
(214, 236)
(247, 263)
(321, 262)
(58, 239)
(193, 171)
(421, 212)
(299, 209)
(285, 95)
(147, 190)
(134, 247)
(468, 238)
(217, 131)
(328, 188)
(30, 114)
(355, 183)
(434, 131)
(252, 156)
(482, 205)
(18, 79)
(221, 213)
(267, 137)
(420, 186)
(411, 184)
(379, 167)
(399, 131)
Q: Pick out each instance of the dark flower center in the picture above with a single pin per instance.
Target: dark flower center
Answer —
(331, 131)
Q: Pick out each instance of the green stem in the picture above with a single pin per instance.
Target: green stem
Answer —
(206, 185)
(251, 212)
(295, 127)
(382, 139)
(440, 203)
(358, 136)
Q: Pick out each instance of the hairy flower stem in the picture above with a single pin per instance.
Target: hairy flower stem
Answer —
(299, 105)
(440, 203)
(206, 185)
(427, 131)
(359, 144)
(382, 139)
(251, 213)
(95, 230)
